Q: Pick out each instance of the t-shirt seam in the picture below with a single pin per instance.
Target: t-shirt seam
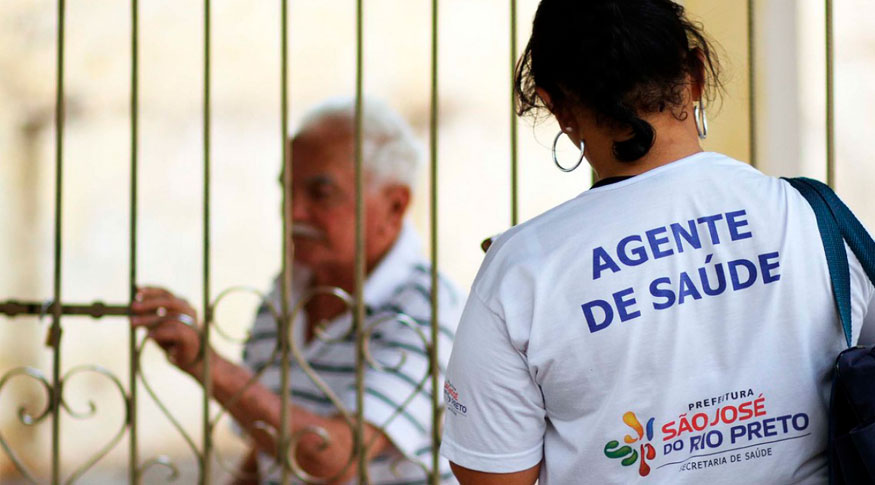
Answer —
(520, 454)
(506, 333)
(476, 293)
(655, 172)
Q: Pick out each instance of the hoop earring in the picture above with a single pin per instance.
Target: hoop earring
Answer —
(556, 159)
(701, 120)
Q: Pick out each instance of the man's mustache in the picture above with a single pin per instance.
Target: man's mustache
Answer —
(306, 231)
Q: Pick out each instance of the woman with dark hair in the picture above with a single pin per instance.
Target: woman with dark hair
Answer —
(674, 323)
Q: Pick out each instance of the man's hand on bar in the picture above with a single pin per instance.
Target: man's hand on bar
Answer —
(172, 324)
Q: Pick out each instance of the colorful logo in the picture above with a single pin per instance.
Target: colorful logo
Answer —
(451, 396)
(626, 453)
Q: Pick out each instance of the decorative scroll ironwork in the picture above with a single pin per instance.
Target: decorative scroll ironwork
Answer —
(29, 419)
(320, 332)
(92, 410)
(408, 322)
(58, 383)
(164, 461)
(212, 308)
(290, 448)
(266, 302)
(292, 462)
(25, 417)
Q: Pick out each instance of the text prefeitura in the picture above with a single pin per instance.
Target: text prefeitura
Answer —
(711, 279)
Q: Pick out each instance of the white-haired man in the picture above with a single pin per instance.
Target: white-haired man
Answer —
(398, 282)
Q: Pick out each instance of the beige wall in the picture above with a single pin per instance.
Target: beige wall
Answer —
(726, 23)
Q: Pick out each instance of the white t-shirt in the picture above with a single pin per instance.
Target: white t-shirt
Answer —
(400, 284)
(675, 327)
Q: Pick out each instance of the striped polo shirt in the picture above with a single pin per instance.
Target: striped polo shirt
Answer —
(398, 389)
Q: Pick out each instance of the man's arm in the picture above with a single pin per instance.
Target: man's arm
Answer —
(472, 477)
(257, 404)
(247, 472)
(159, 311)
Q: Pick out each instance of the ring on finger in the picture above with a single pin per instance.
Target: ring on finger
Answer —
(177, 317)
(161, 311)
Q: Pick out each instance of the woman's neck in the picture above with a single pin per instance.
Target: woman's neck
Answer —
(675, 139)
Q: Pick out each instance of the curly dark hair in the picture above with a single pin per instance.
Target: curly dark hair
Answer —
(619, 58)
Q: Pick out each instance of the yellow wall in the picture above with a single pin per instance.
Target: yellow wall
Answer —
(725, 21)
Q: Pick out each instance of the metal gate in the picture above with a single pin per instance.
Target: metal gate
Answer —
(57, 307)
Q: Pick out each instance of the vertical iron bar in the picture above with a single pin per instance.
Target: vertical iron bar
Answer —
(751, 82)
(287, 248)
(359, 253)
(514, 175)
(205, 337)
(56, 308)
(830, 100)
(133, 457)
(433, 217)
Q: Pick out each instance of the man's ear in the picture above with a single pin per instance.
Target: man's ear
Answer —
(398, 199)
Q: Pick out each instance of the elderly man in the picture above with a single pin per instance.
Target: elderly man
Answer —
(398, 282)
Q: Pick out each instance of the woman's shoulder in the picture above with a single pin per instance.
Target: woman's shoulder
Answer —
(527, 239)
(524, 247)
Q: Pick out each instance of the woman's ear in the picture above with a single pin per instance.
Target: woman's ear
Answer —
(545, 97)
(566, 123)
(697, 75)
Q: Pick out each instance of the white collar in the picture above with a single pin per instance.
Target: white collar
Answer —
(393, 268)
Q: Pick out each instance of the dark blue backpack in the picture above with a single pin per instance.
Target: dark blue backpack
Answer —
(852, 404)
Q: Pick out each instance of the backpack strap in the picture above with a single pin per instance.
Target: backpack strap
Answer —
(833, 245)
(853, 232)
